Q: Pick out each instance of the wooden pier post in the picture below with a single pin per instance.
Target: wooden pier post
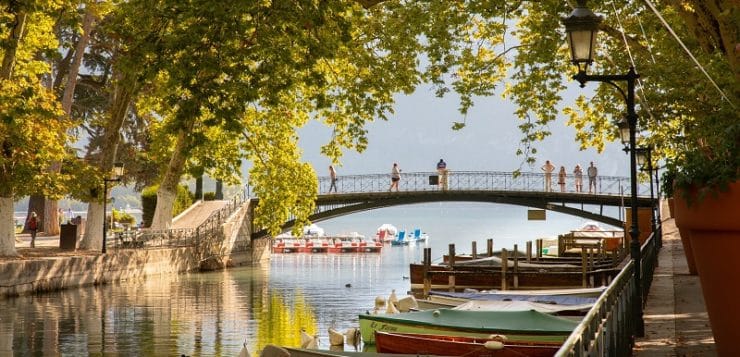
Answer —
(427, 267)
(489, 251)
(529, 251)
(516, 266)
(584, 264)
(504, 268)
(451, 278)
(539, 249)
(474, 250)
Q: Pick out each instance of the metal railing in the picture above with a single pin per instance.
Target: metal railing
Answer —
(205, 233)
(476, 180)
(609, 329)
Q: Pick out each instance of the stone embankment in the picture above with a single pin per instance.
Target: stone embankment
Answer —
(48, 268)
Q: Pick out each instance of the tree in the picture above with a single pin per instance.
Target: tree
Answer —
(31, 132)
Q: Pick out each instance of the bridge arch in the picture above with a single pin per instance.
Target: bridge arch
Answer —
(336, 205)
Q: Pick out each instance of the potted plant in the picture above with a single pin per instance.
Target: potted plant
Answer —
(706, 191)
(667, 182)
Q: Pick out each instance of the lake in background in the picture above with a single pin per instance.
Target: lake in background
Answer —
(213, 314)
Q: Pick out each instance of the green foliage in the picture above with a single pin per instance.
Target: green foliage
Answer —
(148, 204)
(123, 217)
(209, 196)
(32, 133)
(212, 86)
(183, 200)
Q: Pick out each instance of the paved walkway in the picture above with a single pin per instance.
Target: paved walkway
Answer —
(676, 320)
(197, 214)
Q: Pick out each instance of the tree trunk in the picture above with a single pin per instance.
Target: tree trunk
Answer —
(50, 215)
(123, 90)
(36, 204)
(51, 218)
(219, 189)
(7, 223)
(93, 237)
(7, 228)
(199, 188)
(16, 34)
(168, 188)
(162, 218)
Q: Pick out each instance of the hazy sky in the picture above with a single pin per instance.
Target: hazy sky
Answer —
(419, 134)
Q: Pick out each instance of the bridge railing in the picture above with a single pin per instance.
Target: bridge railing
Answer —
(608, 329)
(476, 180)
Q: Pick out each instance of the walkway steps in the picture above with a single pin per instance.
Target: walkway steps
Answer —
(197, 214)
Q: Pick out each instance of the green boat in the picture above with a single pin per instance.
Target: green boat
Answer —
(515, 325)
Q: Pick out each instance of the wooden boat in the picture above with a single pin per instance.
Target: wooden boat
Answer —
(389, 342)
(485, 278)
(302, 352)
(517, 325)
(555, 296)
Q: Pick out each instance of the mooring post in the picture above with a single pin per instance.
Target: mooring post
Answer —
(451, 279)
(539, 248)
(427, 267)
(504, 268)
(584, 263)
(516, 266)
(474, 250)
(529, 251)
(489, 251)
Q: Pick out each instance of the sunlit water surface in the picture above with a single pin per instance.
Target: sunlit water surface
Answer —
(214, 314)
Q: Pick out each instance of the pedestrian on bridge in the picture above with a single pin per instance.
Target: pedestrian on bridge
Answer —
(442, 171)
(578, 173)
(548, 168)
(592, 172)
(333, 177)
(561, 178)
(395, 177)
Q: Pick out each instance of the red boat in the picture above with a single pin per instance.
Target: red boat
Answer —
(440, 345)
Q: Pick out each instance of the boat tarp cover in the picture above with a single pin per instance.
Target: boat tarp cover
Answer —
(503, 321)
(483, 305)
(545, 299)
(497, 262)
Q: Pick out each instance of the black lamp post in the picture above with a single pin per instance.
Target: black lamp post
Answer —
(581, 27)
(116, 176)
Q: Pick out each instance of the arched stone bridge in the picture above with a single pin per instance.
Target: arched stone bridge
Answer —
(358, 193)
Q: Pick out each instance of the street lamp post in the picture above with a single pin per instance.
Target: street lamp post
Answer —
(581, 27)
(116, 176)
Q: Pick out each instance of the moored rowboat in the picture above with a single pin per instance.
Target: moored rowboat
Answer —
(517, 325)
(390, 342)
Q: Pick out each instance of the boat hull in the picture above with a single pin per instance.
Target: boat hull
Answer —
(528, 326)
(441, 345)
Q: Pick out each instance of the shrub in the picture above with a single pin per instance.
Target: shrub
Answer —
(183, 200)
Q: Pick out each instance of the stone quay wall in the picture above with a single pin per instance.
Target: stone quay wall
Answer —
(55, 273)
(230, 246)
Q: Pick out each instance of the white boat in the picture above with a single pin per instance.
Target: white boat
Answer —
(415, 236)
(386, 232)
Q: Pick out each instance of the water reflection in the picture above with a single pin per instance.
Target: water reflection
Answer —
(211, 314)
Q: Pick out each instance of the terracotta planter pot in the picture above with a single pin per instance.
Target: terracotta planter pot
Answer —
(687, 250)
(714, 233)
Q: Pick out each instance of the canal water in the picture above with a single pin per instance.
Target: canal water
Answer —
(214, 314)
